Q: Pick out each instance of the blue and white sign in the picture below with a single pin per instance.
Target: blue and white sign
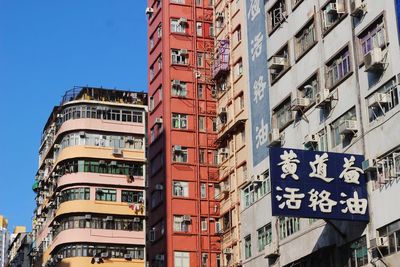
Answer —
(258, 78)
(315, 184)
(397, 5)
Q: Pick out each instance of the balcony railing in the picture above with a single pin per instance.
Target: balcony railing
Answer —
(220, 65)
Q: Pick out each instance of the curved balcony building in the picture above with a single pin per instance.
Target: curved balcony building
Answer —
(90, 181)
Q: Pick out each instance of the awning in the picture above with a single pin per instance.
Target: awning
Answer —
(35, 186)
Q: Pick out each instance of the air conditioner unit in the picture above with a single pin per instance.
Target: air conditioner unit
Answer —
(311, 139)
(128, 256)
(149, 11)
(182, 21)
(183, 52)
(117, 151)
(60, 116)
(271, 250)
(274, 137)
(368, 165)
(159, 257)
(177, 148)
(380, 242)
(227, 251)
(331, 8)
(105, 255)
(277, 62)
(136, 219)
(176, 83)
(158, 121)
(378, 99)
(322, 98)
(109, 218)
(348, 127)
(373, 60)
(299, 103)
(224, 150)
(186, 218)
(88, 217)
(358, 8)
(49, 161)
(219, 16)
(159, 187)
(57, 146)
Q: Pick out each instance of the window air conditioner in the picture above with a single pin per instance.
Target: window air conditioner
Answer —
(176, 83)
(378, 99)
(219, 16)
(82, 134)
(322, 98)
(128, 256)
(274, 137)
(158, 121)
(348, 127)
(105, 255)
(186, 218)
(277, 62)
(380, 242)
(57, 146)
(358, 8)
(271, 250)
(299, 103)
(311, 139)
(373, 60)
(183, 52)
(227, 251)
(117, 151)
(88, 217)
(182, 21)
(177, 148)
(368, 164)
(136, 219)
(109, 218)
(331, 8)
(149, 11)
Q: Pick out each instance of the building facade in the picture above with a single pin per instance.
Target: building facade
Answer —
(230, 79)
(4, 240)
(90, 182)
(183, 184)
(332, 85)
(19, 249)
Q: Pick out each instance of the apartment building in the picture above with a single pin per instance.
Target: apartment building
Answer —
(183, 158)
(332, 85)
(90, 182)
(4, 240)
(231, 78)
(19, 249)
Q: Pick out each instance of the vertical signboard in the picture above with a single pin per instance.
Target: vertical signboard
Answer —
(397, 5)
(314, 184)
(258, 78)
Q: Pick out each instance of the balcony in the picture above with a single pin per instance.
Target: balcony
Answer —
(220, 65)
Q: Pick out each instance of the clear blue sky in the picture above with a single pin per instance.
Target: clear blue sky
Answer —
(47, 47)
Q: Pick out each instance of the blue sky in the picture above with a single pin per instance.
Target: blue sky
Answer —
(47, 47)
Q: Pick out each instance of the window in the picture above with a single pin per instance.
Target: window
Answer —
(104, 194)
(181, 189)
(355, 254)
(338, 68)
(255, 191)
(179, 56)
(309, 89)
(180, 154)
(390, 232)
(279, 63)
(177, 1)
(80, 193)
(116, 251)
(373, 37)
(322, 141)
(199, 29)
(181, 259)
(177, 26)
(202, 123)
(203, 190)
(217, 190)
(336, 137)
(198, 2)
(282, 115)
(151, 103)
(132, 196)
(200, 91)
(264, 236)
(178, 88)
(305, 38)
(332, 13)
(276, 15)
(237, 35)
(151, 72)
(200, 60)
(247, 247)
(180, 224)
(202, 156)
(151, 42)
(214, 124)
(238, 68)
(383, 100)
(204, 224)
(204, 259)
(179, 121)
(288, 226)
(159, 31)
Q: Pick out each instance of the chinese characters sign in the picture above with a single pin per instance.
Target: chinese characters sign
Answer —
(314, 184)
(258, 78)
